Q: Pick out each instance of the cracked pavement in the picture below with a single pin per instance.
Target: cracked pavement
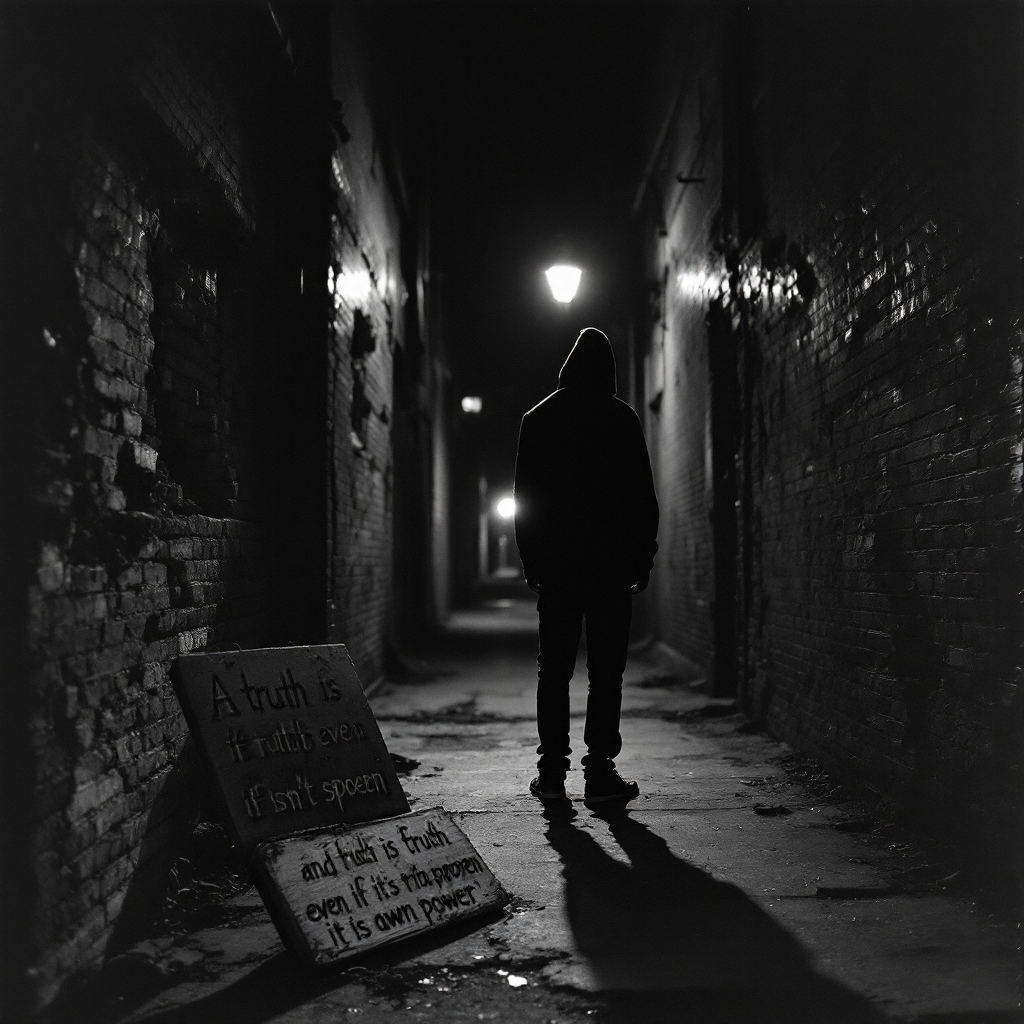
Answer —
(732, 890)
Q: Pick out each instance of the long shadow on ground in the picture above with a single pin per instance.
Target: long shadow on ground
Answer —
(668, 942)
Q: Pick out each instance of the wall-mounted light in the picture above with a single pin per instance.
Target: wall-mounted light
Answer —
(506, 508)
(351, 287)
(563, 279)
(472, 403)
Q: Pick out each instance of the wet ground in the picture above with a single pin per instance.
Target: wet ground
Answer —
(733, 890)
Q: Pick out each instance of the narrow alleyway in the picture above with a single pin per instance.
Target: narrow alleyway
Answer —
(732, 891)
(281, 279)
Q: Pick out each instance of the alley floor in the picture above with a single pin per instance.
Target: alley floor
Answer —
(735, 889)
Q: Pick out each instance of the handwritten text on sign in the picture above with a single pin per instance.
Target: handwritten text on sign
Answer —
(348, 891)
(290, 739)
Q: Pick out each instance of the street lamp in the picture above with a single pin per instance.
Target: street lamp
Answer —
(563, 279)
(507, 508)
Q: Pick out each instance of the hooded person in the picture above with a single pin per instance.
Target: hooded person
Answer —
(586, 524)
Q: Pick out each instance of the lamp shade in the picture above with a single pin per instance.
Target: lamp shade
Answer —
(563, 280)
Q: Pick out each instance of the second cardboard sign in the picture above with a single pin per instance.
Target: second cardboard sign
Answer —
(335, 894)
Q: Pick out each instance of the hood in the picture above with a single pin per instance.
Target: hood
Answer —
(591, 363)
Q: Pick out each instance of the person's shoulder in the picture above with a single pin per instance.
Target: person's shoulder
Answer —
(546, 405)
(624, 412)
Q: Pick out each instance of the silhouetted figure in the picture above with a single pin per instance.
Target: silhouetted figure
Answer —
(586, 523)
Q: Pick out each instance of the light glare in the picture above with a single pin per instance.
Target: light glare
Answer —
(507, 508)
(563, 281)
(349, 286)
(472, 403)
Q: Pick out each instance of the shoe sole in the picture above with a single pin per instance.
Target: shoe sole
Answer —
(547, 797)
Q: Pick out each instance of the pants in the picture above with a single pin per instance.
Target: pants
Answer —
(562, 609)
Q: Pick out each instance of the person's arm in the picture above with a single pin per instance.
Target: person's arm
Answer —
(646, 513)
(526, 493)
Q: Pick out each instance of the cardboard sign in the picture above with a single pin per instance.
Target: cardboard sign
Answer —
(289, 738)
(333, 895)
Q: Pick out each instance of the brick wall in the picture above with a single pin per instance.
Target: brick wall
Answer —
(369, 294)
(144, 560)
(863, 274)
(203, 320)
(676, 373)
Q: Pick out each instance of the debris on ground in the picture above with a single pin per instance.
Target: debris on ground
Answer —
(404, 765)
(464, 713)
(209, 871)
(771, 810)
(716, 710)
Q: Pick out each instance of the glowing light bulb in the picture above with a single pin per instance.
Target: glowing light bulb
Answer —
(563, 281)
(507, 508)
(472, 403)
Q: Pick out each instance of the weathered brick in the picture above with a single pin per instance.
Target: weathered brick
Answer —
(101, 442)
(876, 396)
(93, 793)
(178, 382)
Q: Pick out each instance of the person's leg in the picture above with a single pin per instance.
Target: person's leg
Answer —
(608, 614)
(561, 617)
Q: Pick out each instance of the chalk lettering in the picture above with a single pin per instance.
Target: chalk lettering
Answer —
(220, 696)
(394, 917)
(358, 891)
(284, 739)
(286, 799)
(384, 888)
(455, 869)
(289, 694)
(429, 840)
(337, 789)
(238, 745)
(438, 906)
(252, 798)
(254, 694)
(418, 877)
(330, 690)
(360, 856)
(308, 787)
(341, 733)
(314, 870)
(294, 689)
(330, 788)
(337, 934)
(331, 906)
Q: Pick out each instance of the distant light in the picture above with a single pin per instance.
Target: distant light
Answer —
(507, 508)
(472, 403)
(563, 281)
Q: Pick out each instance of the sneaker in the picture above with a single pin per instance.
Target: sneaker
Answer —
(609, 786)
(548, 787)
